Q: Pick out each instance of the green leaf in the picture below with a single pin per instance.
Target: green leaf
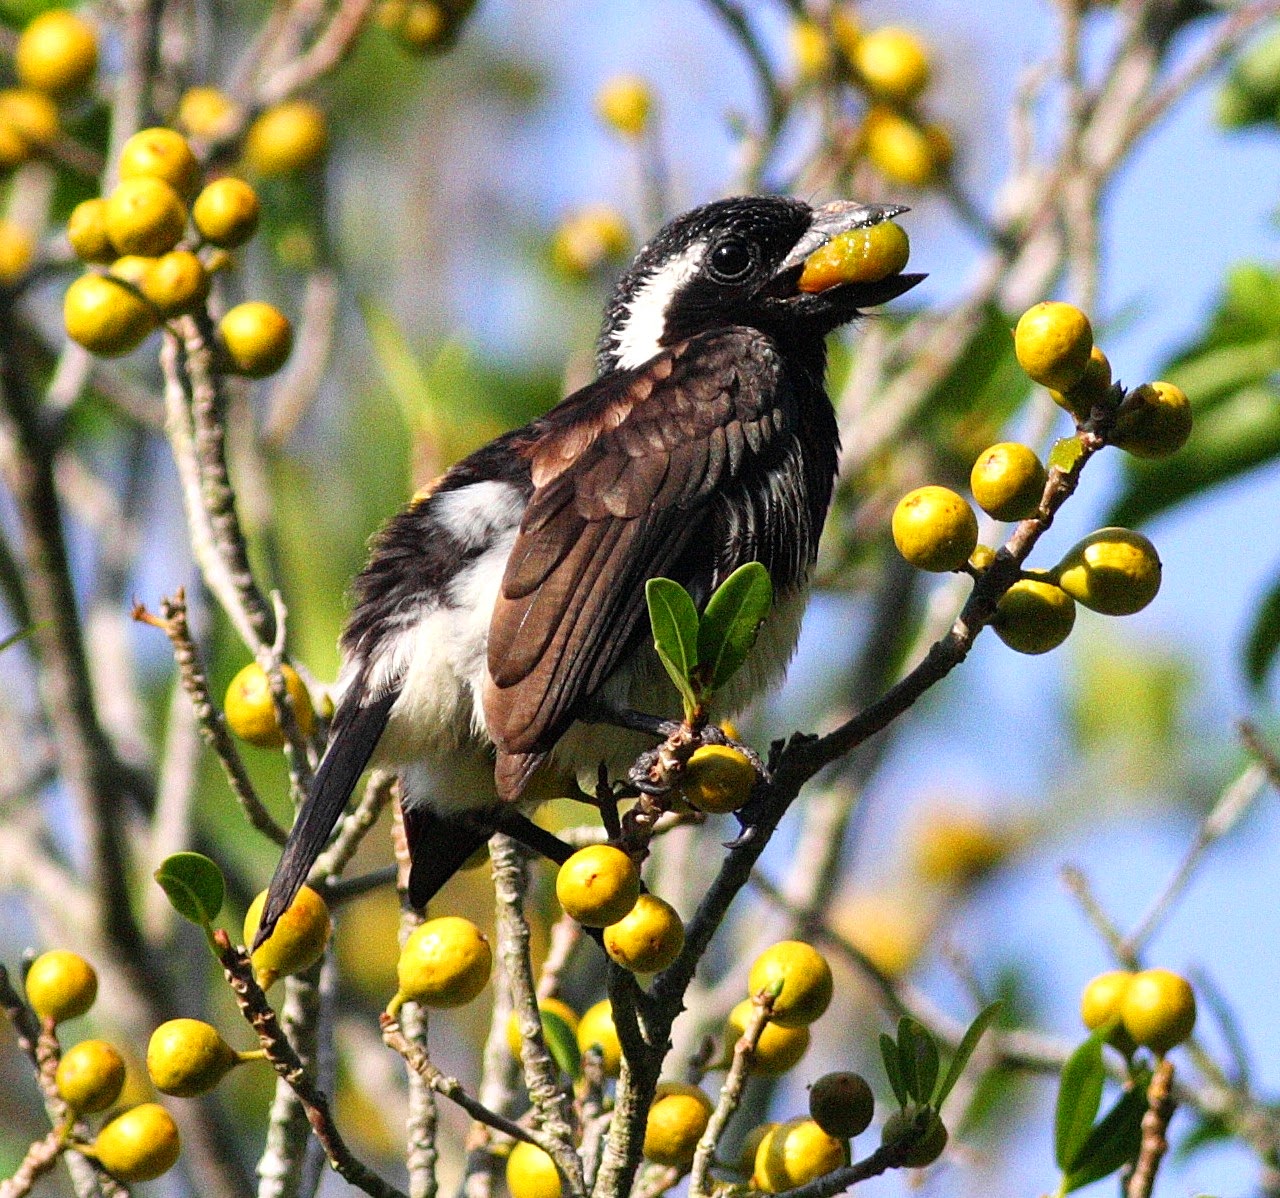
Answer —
(917, 1059)
(1114, 1142)
(1065, 454)
(562, 1043)
(889, 1053)
(674, 621)
(1264, 638)
(730, 623)
(195, 886)
(1079, 1096)
(964, 1050)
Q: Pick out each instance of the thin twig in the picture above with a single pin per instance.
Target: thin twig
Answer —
(730, 1096)
(257, 1011)
(172, 621)
(542, 1079)
(1155, 1128)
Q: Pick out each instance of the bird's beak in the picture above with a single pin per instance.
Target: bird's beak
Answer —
(829, 221)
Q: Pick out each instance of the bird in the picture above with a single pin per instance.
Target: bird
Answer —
(501, 615)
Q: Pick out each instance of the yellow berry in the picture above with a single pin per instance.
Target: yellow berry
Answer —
(588, 239)
(14, 148)
(251, 713)
(892, 64)
(298, 940)
(598, 885)
(445, 963)
(778, 1049)
(226, 212)
(676, 1121)
(857, 256)
(90, 1076)
(898, 148)
(1053, 342)
(718, 779)
(205, 112)
(1115, 571)
(17, 250)
(552, 1007)
(1158, 1009)
(175, 283)
(810, 51)
(257, 337)
(890, 929)
(139, 1145)
(927, 1149)
(1093, 388)
(954, 847)
(842, 1104)
(531, 1173)
(795, 1153)
(1034, 616)
(87, 232)
(648, 938)
(982, 557)
(1154, 422)
(625, 104)
(287, 137)
(597, 1028)
(799, 975)
(57, 53)
(106, 316)
(1008, 481)
(935, 529)
(425, 26)
(161, 153)
(144, 215)
(186, 1057)
(1101, 1004)
(31, 113)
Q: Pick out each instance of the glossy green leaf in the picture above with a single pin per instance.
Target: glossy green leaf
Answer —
(1113, 1143)
(727, 631)
(892, 1070)
(195, 886)
(562, 1043)
(674, 621)
(965, 1049)
(917, 1060)
(1264, 638)
(1065, 454)
(1079, 1097)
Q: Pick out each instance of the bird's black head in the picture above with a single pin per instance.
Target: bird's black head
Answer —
(737, 262)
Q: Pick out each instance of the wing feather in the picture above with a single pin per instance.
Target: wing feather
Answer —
(624, 477)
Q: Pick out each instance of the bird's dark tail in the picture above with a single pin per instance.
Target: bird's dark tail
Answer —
(351, 745)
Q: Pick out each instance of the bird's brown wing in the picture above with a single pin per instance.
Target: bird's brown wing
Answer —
(623, 480)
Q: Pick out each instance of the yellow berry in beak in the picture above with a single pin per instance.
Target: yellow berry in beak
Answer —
(864, 255)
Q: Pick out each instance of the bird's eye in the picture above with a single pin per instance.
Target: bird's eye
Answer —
(731, 260)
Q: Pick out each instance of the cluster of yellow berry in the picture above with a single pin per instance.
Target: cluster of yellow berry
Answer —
(156, 269)
(55, 59)
(892, 69)
(424, 26)
(1153, 1008)
(1114, 571)
(141, 1142)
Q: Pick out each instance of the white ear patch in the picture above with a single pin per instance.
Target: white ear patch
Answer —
(637, 338)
